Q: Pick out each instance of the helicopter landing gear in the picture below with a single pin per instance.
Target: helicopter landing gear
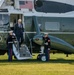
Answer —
(41, 57)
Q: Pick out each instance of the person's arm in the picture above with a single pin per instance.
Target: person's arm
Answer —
(7, 40)
(15, 28)
(49, 42)
(22, 28)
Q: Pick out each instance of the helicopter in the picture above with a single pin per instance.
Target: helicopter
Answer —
(38, 19)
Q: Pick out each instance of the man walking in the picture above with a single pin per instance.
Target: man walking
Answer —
(18, 30)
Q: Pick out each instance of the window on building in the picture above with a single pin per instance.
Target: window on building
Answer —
(22, 2)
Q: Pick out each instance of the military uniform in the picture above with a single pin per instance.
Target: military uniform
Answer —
(47, 47)
(9, 42)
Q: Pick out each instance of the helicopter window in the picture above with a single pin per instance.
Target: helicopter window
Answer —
(28, 23)
(52, 26)
(4, 21)
(1, 22)
(53, 7)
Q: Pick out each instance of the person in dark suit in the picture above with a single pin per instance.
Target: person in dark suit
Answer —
(18, 30)
(46, 46)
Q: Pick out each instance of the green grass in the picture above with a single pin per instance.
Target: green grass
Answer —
(59, 64)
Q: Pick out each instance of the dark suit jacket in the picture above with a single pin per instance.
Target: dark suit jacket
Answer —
(18, 30)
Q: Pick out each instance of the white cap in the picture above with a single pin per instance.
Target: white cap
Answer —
(10, 31)
(46, 33)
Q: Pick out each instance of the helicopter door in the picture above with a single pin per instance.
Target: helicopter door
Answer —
(14, 18)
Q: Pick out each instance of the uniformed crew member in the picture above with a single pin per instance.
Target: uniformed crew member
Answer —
(46, 46)
(9, 43)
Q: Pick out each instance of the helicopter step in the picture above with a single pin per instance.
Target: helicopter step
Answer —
(21, 53)
(24, 51)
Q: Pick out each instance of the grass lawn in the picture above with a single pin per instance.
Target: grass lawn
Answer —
(59, 64)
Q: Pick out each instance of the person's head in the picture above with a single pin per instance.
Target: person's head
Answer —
(10, 32)
(19, 20)
(45, 34)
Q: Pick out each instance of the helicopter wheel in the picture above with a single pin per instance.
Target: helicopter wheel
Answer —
(41, 57)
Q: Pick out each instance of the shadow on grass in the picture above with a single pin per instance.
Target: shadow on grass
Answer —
(35, 61)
